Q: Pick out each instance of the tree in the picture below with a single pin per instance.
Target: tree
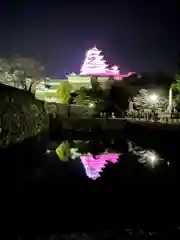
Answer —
(101, 106)
(63, 92)
(86, 96)
(31, 67)
(63, 151)
(141, 99)
(119, 95)
(4, 65)
(21, 72)
(27, 71)
(148, 100)
(148, 80)
(176, 89)
(81, 97)
(95, 85)
(176, 84)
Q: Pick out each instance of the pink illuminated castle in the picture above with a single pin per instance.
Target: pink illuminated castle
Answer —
(95, 65)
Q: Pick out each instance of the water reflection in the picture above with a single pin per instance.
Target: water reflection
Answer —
(94, 165)
(149, 158)
(96, 155)
(63, 151)
(85, 151)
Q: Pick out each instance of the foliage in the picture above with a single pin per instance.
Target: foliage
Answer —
(148, 80)
(30, 67)
(90, 95)
(176, 84)
(4, 65)
(94, 83)
(63, 151)
(142, 100)
(176, 90)
(119, 94)
(63, 92)
(96, 94)
(21, 72)
(123, 91)
(81, 96)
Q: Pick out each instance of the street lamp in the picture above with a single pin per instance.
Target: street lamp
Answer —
(170, 100)
(153, 98)
(91, 105)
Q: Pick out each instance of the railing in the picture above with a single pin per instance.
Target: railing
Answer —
(160, 119)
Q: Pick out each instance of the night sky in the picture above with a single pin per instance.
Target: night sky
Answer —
(136, 36)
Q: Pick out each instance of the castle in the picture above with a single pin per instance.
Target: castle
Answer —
(94, 66)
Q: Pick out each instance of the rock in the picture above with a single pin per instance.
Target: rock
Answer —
(21, 116)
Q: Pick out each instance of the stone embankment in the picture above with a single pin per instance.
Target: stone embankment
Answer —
(21, 116)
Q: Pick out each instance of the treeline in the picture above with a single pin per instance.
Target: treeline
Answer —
(22, 72)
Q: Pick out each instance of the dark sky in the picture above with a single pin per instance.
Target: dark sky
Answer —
(135, 35)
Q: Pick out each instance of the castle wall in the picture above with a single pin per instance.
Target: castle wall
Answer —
(79, 81)
(76, 81)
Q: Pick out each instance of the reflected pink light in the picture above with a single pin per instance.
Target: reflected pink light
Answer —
(95, 164)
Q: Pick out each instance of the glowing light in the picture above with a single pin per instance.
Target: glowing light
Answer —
(147, 157)
(150, 158)
(94, 164)
(153, 97)
(48, 151)
(72, 74)
(114, 68)
(91, 105)
(74, 153)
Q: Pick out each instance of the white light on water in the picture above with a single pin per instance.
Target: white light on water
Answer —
(152, 158)
(48, 151)
(74, 153)
(149, 158)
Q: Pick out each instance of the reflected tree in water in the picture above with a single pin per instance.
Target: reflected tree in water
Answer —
(145, 156)
(63, 151)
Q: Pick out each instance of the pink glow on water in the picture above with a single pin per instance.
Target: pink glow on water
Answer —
(95, 164)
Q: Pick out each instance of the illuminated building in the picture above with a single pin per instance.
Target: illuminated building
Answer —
(94, 67)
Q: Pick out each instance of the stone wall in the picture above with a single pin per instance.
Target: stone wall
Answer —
(74, 110)
(21, 116)
(89, 123)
